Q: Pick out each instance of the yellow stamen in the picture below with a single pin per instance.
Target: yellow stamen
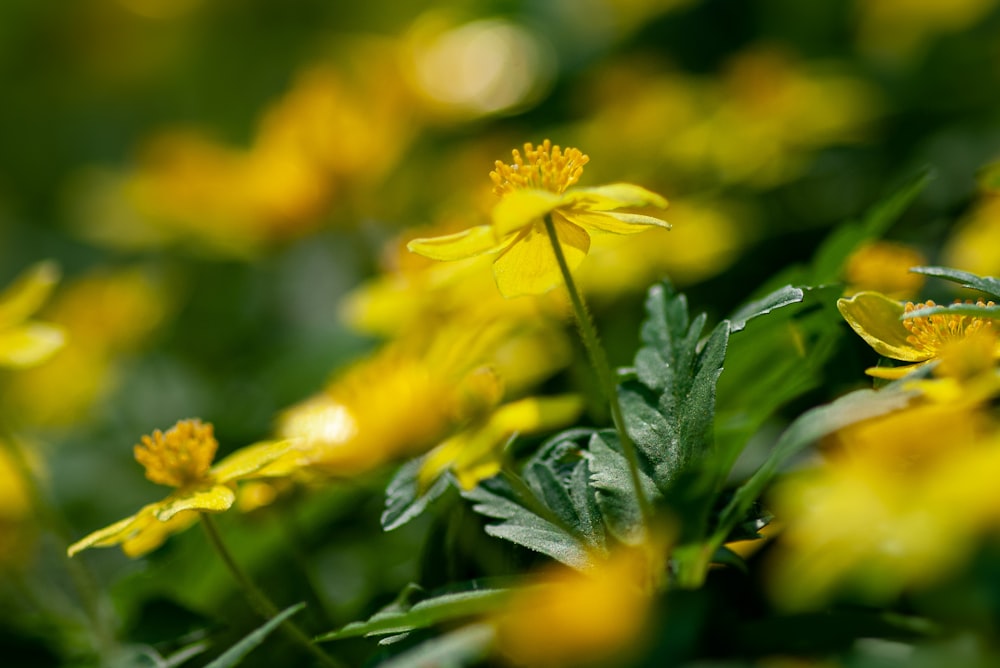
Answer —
(546, 167)
(931, 333)
(179, 457)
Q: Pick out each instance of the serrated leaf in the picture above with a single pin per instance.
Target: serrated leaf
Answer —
(461, 647)
(494, 498)
(425, 613)
(781, 297)
(236, 653)
(808, 428)
(669, 409)
(403, 500)
(987, 284)
(611, 478)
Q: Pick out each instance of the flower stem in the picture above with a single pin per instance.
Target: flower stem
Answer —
(257, 599)
(605, 377)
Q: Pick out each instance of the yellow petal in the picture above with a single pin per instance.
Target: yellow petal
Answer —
(613, 221)
(114, 533)
(155, 533)
(254, 459)
(528, 266)
(537, 414)
(211, 499)
(521, 208)
(614, 196)
(894, 372)
(440, 459)
(29, 344)
(876, 319)
(27, 294)
(467, 243)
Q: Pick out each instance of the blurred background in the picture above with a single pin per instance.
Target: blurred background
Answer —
(226, 187)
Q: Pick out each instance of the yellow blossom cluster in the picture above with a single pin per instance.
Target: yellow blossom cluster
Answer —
(901, 500)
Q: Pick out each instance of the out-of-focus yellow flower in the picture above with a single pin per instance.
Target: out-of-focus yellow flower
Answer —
(326, 142)
(975, 244)
(400, 401)
(966, 371)
(476, 452)
(879, 321)
(24, 342)
(884, 266)
(757, 123)
(182, 458)
(898, 28)
(568, 618)
(107, 315)
(900, 504)
(17, 521)
(531, 189)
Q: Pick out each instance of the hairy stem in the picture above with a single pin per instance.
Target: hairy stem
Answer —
(257, 599)
(606, 378)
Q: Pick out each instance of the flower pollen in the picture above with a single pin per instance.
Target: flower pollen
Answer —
(179, 457)
(546, 167)
(931, 333)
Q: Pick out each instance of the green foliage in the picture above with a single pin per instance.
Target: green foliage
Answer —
(235, 654)
(803, 432)
(402, 617)
(987, 284)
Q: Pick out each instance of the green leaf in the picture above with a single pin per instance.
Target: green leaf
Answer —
(828, 263)
(781, 297)
(773, 361)
(987, 284)
(494, 498)
(612, 480)
(430, 611)
(462, 647)
(806, 430)
(973, 310)
(403, 500)
(669, 409)
(235, 654)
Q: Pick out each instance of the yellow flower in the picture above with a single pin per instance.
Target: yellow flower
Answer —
(24, 342)
(570, 618)
(884, 266)
(182, 458)
(900, 504)
(106, 315)
(533, 187)
(475, 453)
(879, 321)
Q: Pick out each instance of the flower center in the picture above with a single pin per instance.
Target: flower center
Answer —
(179, 457)
(546, 167)
(931, 333)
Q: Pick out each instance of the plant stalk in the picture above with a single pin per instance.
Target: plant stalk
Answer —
(605, 377)
(257, 599)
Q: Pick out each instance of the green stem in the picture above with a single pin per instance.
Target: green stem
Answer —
(257, 599)
(599, 360)
(95, 608)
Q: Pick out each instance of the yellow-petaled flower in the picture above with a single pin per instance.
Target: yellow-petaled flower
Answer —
(24, 342)
(181, 457)
(534, 187)
(901, 503)
(476, 452)
(568, 618)
(879, 320)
